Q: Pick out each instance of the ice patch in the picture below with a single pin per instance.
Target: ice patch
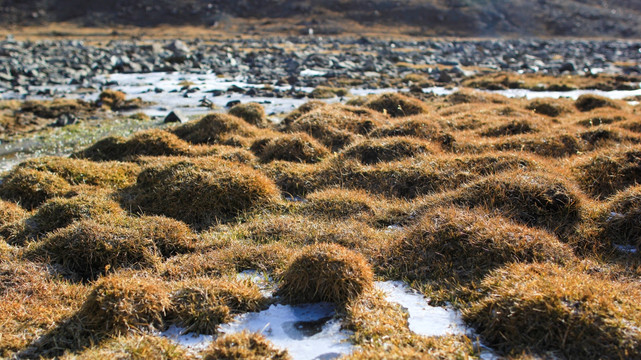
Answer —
(261, 279)
(192, 341)
(307, 331)
(424, 319)
(630, 249)
(312, 73)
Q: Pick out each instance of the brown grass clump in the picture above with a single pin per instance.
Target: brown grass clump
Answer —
(298, 147)
(397, 105)
(78, 171)
(171, 236)
(325, 272)
(556, 146)
(542, 308)
(116, 100)
(340, 203)
(372, 151)
(590, 102)
(466, 96)
(326, 92)
(456, 246)
(533, 199)
(514, 127)
(90, 249)
(200, 305)
(215, 129)
(30, 188)
(55, 108)
(549, 107)
(302, 110)
(10, 212)
(607, 172)
(134, 347)
(244, 346)
(201, 194)
(145, 143)
(123, 302)
(252, 112)
(620, 223)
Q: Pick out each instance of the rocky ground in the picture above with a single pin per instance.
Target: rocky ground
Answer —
(307, 60)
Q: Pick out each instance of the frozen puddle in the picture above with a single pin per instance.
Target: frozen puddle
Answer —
(307, 331)
(424, 319)
(192, 341)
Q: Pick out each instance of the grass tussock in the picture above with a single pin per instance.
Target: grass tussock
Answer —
(467, 96)
(214, 191)
(414, 126)
(133, 347)
(249, 346)
(297, 147)
(253, 113)
(549, 107)
(552, 145)
(534, 199)
(397, 105)
(10, 213)
(619, 223)
(590, 102)
(603, 174)
(124, 302)
(117, 101)
(215, 129)
(54, 108)
(84, 172)
(153, 142)
(327, 92)
(543, 308)
(30, 188)
(200, 305)
(302, 110)
(514, 127)
(325, 272)
(341, 203)
(90, 249)
(372, 151)
(457, 246)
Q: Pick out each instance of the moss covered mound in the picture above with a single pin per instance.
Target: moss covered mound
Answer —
(534, 199)
(153, 142)
(251, 112)
(458, 246)
(298, 147)
(372, 151)
(215, 129)
(603, 174)
(244, 346)
(123, 302)
(90, 249)
(325, 272)
(542, 308)
(590, 102)
(30, 188)
(397, 105)
(201, 194)
(200, 305)
(84, 172)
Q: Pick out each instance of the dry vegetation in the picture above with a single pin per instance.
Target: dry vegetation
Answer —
(523, 214)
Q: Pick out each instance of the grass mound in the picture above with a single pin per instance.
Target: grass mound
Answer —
(607, 172)
(555, 146)
(302, 110)
(589, 102)
(397, 105)
(340, 203)
(534, 199)
(514, 127)
(327, 92)
(467, 96)
(55, 108)
(123, 302)
(117, 100)
(372, 151)
(78, 171)
(172, 237)
(252, 112)
(542, 308)
(30, 188)
(325, 272)
(215, 129)
(548, 107)
(457, 246)
(134, 347)
(298, 147)
(620, 223)
(10, 213)
(201, 195)
(145, 143)
(90, 249)
(243, 346)
(202, 304)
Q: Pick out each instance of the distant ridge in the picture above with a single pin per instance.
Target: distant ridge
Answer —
(575, 18)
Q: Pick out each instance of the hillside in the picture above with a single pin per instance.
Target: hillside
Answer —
(577, 18)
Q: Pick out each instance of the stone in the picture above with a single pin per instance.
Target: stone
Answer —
(175, 117)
